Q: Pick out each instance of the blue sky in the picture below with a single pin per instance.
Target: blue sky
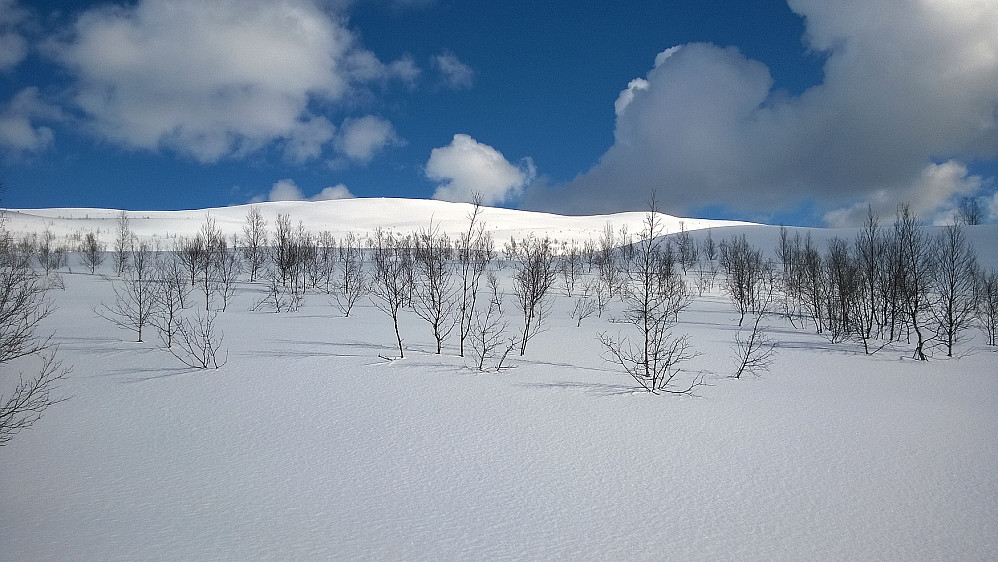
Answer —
(802, 112)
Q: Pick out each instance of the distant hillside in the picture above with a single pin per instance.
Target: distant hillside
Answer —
(340, 217)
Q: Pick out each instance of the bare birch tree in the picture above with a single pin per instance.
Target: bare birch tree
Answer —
(533, 279)
(23, 307)
(475, 250)
(134, 297)
(653, 301)
(199, 342)
(254, 242)
(352, 283)
(172, 296)
(122, 244)
(489, 340)
(392, 276)
(755, 352)
(915, 273)
(987, 305)
(953, 285)
(92, 252)
(435, 291)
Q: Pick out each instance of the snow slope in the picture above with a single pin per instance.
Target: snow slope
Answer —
(307, 445)
(362, 216)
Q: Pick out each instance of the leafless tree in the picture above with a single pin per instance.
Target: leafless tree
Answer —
(23, 307)
(351, 283)
(755, 352)
(122, 244)
(284, 253)
(587, 303)
(915, 273)
(744, 274)
(171, 295)
(142, 259)
(475, 250)
(569, 266)
(589, 254)
(809, 282)
(653, 301)
(609, 258)
(626, 250)
(970, 211)
(199, 342)
(891, 281)
(953, 285)
(686, 248)
(532, 282)
(214, 250)
(24, 249)
(706, 273)
(708, 248)
(305, 274)
(987, 305)
(278, 298)
(228, 267)
(191, 252)
(489, 340)
(869, 248)
(254, 242)
(51, 257)
(600, 293)
(707, 264)
(392, 277)
(134, 303)
(844, 292)
(92, 252)
(324, 268)
(435, 291)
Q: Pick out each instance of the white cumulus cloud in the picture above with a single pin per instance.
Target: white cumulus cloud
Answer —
(467, 167)
(216, 79)
(287, 190)
(907, 85)
(330, 193)
(360, 138)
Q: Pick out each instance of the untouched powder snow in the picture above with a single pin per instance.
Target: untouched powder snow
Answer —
(341, 216)
(307, 445)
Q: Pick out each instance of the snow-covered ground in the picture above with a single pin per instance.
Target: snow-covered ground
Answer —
(339, 217)
(307, 445)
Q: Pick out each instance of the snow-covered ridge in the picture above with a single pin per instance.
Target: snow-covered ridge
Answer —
(340, 217)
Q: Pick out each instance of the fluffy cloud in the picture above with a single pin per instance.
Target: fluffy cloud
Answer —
(287, 190)
(330, 193)
(19, 135)
(467, 167)
(932, 196)
(907, 85)
(456, 74)
(13, 45)
(216, 79)
(361, 138)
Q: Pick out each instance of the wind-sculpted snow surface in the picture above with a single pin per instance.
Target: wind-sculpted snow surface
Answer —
(307, 445)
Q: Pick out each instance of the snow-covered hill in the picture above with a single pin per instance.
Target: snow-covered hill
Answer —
(339, 217)
(307, 444)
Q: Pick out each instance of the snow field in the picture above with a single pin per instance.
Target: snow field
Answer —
(307, 445)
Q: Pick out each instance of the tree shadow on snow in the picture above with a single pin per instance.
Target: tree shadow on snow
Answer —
(135, 375)
(595, 388)
(287, 348)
